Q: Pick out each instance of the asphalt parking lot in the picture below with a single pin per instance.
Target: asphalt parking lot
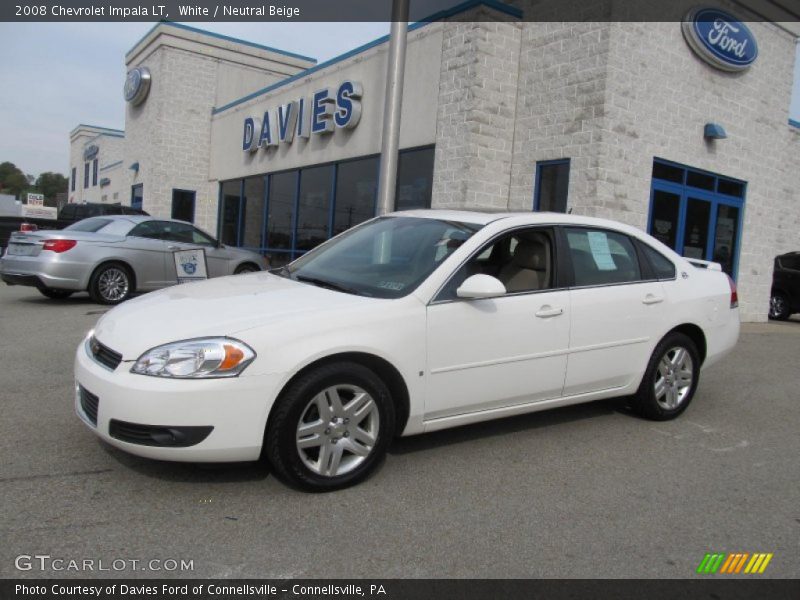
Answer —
(582, 492)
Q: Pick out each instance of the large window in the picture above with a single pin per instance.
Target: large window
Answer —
(137, 196)
(284, 215)
(414, 179)
(282, 192)
(356, 190)
(253, 212)
(183, 205)
(230, 206)
(552, 185)
(696, 213)
(72, 183)
(86, 175)
(95, 166)
(313, 207)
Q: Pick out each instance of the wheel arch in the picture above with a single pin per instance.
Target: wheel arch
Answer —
(246, 263)
(112, 261)
(380, 366)
(694, 333)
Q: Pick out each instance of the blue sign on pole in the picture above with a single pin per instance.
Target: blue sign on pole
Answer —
(720, 39)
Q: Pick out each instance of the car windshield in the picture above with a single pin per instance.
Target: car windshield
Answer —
(92, 225)
(384, 258)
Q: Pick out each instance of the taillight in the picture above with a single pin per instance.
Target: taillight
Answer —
(28, 227)
(59, 245)
(734, 295)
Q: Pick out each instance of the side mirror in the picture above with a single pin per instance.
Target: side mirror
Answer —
(481, 286)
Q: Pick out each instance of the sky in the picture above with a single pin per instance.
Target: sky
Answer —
(57, 75)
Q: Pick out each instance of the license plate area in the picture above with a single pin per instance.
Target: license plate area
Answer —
(23, 249)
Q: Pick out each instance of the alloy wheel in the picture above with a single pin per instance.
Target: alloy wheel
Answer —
(674, 378)
(777, 306)
(337, 430)
(113, 284)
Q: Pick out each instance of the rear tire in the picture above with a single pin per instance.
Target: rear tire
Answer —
(56, 294)
(111, 283)
(670, 380)
(330, 428)
(246, 268)
(779, 307)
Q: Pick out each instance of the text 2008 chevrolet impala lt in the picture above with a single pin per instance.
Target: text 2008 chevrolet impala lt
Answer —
(408, 323)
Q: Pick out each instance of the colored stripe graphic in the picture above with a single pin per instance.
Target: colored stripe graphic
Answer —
(733, 562)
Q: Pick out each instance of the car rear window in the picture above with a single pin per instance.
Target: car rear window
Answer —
(92, 225)
(662, 266)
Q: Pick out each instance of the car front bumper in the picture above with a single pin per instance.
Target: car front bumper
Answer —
(235, 409)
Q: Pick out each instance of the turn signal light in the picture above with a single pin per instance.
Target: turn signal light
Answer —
(59, 245)
(28, 227)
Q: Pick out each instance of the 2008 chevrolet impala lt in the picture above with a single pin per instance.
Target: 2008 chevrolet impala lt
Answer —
(408, 323)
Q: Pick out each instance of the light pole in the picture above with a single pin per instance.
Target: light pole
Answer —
(390, 140)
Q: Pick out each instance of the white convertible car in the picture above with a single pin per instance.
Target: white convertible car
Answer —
(408, 323)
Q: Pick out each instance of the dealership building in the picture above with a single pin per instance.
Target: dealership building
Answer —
(679, 128)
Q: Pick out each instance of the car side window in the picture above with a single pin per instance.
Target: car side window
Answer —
(81, 211)
(200, 237)
(791, 263)
(523, 261)
(602, 257)
(68, 212)
(148, 229)
(662, 266)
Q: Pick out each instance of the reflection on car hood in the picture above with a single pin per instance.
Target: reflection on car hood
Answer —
(218, 307)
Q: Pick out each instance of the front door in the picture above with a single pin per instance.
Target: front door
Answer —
(503, 351)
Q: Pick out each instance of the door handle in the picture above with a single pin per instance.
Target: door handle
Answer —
(173, 247)
(651, 299)
(546, 311)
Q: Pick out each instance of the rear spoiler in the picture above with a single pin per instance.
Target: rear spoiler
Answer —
(705, 264)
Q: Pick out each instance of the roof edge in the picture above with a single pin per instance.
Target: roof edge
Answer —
(437, 16)
(218, 36)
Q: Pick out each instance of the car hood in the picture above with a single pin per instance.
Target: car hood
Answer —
(214, 307)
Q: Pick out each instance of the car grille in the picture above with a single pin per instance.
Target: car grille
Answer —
(89, 404)
(104, 355)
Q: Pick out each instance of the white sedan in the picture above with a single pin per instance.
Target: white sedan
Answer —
(408, 323)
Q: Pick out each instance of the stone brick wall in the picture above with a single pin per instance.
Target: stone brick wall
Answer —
(611, 97)
(476, 113)
(561, 108)
(659, 97)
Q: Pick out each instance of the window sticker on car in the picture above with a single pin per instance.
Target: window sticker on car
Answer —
(391, 285)
(598, 242)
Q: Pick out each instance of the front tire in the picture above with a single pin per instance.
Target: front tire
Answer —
(671, 378)
(330, 428)
(111, 283)
(55, 294)
(779, 306)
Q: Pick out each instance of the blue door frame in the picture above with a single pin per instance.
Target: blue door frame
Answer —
(715, 199)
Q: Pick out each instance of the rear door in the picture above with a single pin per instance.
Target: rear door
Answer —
(618, 307)
(147, 252)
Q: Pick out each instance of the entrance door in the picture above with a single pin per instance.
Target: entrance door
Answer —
(697, 214)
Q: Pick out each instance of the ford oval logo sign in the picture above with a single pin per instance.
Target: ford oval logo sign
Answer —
(720, 39)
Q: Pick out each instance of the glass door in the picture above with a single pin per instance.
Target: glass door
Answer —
(696, 213)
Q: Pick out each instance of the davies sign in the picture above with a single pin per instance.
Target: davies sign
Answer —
(720, 39)
(320, 113)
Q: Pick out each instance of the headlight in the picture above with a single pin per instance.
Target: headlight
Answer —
(196, 359)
